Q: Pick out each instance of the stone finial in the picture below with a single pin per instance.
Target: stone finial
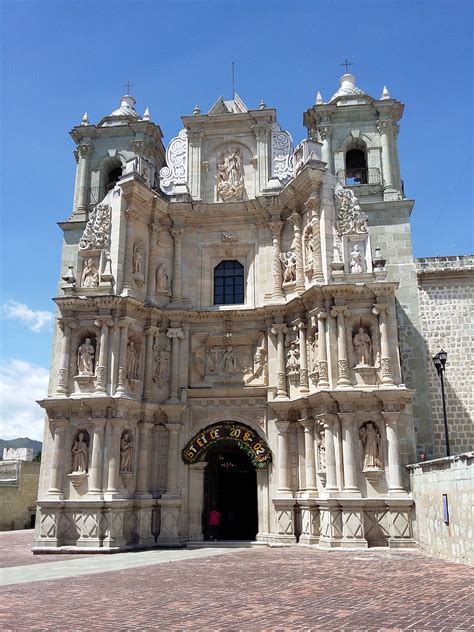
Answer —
(146, 115)
(263, 105)
(385, 94)
(85, 119)
(196, 110)
(319, 99)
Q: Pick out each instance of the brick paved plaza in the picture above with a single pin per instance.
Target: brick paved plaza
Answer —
(263, 588)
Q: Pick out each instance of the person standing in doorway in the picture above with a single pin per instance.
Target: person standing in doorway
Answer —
(214, 522)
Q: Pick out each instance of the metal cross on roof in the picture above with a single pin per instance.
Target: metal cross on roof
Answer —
(127, 86)
(346, 63)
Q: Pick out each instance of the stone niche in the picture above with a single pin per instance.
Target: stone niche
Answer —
(238, 360)
(363, 345)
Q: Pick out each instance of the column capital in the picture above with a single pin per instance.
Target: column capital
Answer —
(177, 233)
(327, 419)
(65, 322)
(84, 150)
(278, 328)
(155, 229)
(124, 322)
(173, 427)
(175, 332)
(390, 418)
(99, 422)
(145, 426)
(342, 310)
(59, 425)
(384, 125)
(379, 308)
(151, 329)
(307, 423)
(295, 219)
(299, 325)
(130, 214)
(104, 320)
(321, 314)
(282, 426)
(347, 418)
(275, 227)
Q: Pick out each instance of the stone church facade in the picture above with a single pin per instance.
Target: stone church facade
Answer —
(238, 329)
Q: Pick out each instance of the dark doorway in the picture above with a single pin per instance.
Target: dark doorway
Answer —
(231, 488)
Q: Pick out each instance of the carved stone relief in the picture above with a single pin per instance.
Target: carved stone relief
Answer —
(126, 452)
(312, 249)
(133, 361)
(94, 246)
(357, 263)
(288, 260)
(293, 359)
(320, 451)
(371, 441)
(138, 269)
(90, 273)
(230, 175)
(350, 218)
(161, 373)
(162, 285)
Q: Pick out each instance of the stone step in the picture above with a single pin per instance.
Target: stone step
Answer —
(224, 544)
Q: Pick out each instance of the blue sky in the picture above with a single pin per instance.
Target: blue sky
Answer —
(60, 59)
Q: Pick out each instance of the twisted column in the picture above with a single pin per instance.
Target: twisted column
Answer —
(380, 310)
(176, 334)
(342, 363)
(101, 368)
(278, 330)
(277, 293)
(295, 219)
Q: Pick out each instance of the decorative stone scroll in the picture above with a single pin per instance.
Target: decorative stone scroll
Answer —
(246, 438)
(350, 218)
(282, 153)
(176, 171)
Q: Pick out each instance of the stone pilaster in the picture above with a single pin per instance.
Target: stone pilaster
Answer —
(102, 365)
(65, 324)
(154, 231)
(323, 353)
(277, 292)
(394, 466)
(128, 283)
(295, 219)
(196, 499)
(279, 330)
(174, 429)
(143, 463)
(176, 334)
(177, 282)
(59, 427)
(194, 163)
(150, 333)
(283, 465)
(349, 454)
(122, 361)
(340, 311)
(300, 327)
(262, 135)
(96, 467)
(329, 422)
(380, 310)
(310, 461)
(114, 434)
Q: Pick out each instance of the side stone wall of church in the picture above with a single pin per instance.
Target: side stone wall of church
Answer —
(18, 493)
(451, 536)
(446, 294)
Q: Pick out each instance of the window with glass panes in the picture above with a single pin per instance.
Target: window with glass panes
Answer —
(228, 283)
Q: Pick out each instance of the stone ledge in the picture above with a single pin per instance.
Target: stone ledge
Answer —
(464, 456)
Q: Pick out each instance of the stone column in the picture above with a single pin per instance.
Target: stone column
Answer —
(57, 462)
(65, 324)
(339, 312)
(326, 150)
(174, 429)
(177, 255)
(143, 463)
(194, 163)
(115, 433)
(384, 128)
(394, 466)
(122, 371)
(295, 219)
(154, 471)
(95, 469)
(329, 422)
(308, 425)
(278, 330)
(283, 470)
(196, 500)
(323, 354)
(154, 232)
(150, 333)
(261, 133)
(385, 359)
(84, 154)
(277, 292)
(176, 334)
(304, 380)
(101, 368)
(301, 459)
(349, 454)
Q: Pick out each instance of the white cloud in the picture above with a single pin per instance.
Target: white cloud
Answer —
(21, 383)
(36, 320)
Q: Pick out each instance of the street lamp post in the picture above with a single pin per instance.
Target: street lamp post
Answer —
(440, 363)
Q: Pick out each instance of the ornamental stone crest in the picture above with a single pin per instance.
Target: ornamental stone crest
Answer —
(350, 219)
(282, 153)
(230, 175)
(96, 235)
(176, 170)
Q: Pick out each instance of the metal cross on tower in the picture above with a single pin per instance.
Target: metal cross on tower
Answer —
(346, 63)
(127, 86)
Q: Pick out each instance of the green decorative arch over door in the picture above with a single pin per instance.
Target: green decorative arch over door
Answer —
(246, 438)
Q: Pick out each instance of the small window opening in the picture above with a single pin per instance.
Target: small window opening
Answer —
(112, 178)
(356, 167)
(229, 283)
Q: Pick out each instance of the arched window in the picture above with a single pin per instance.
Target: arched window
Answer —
(111, 177)
(356, 167)
(229, 283)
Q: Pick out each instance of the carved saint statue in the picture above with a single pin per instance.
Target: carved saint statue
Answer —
(357, 262)
(314, 354)
(321, 451)
(362, 347)
(228, 361)
(292, 359)
(371, 441)
(137, 261)
(230, 177)
(85, 358)
(289, 261)
(126, 453)
(133, 360)
(90, 275)
(80, 454)
(162, 365)
(162, 279)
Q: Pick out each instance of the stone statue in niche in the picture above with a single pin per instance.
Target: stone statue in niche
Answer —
(90, 274)
(137, 261)
(289, 262)
(362, 344)
(228, 361)
(162, 365)
(293, 358)
(162, 280)
(80, 455)
(133, 361)
(357, 262)
(321, 451)
(371, 441)
(85, 358)
(126, 453)
(230, 176)
(314, 354)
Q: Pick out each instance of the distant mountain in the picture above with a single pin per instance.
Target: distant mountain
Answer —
(22, 442)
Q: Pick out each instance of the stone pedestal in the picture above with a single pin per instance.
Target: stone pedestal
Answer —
(331, 523)
(284, 532)
(352, 516)
(401, 536)
(170, 522)
(310, 522)
(114, 521)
